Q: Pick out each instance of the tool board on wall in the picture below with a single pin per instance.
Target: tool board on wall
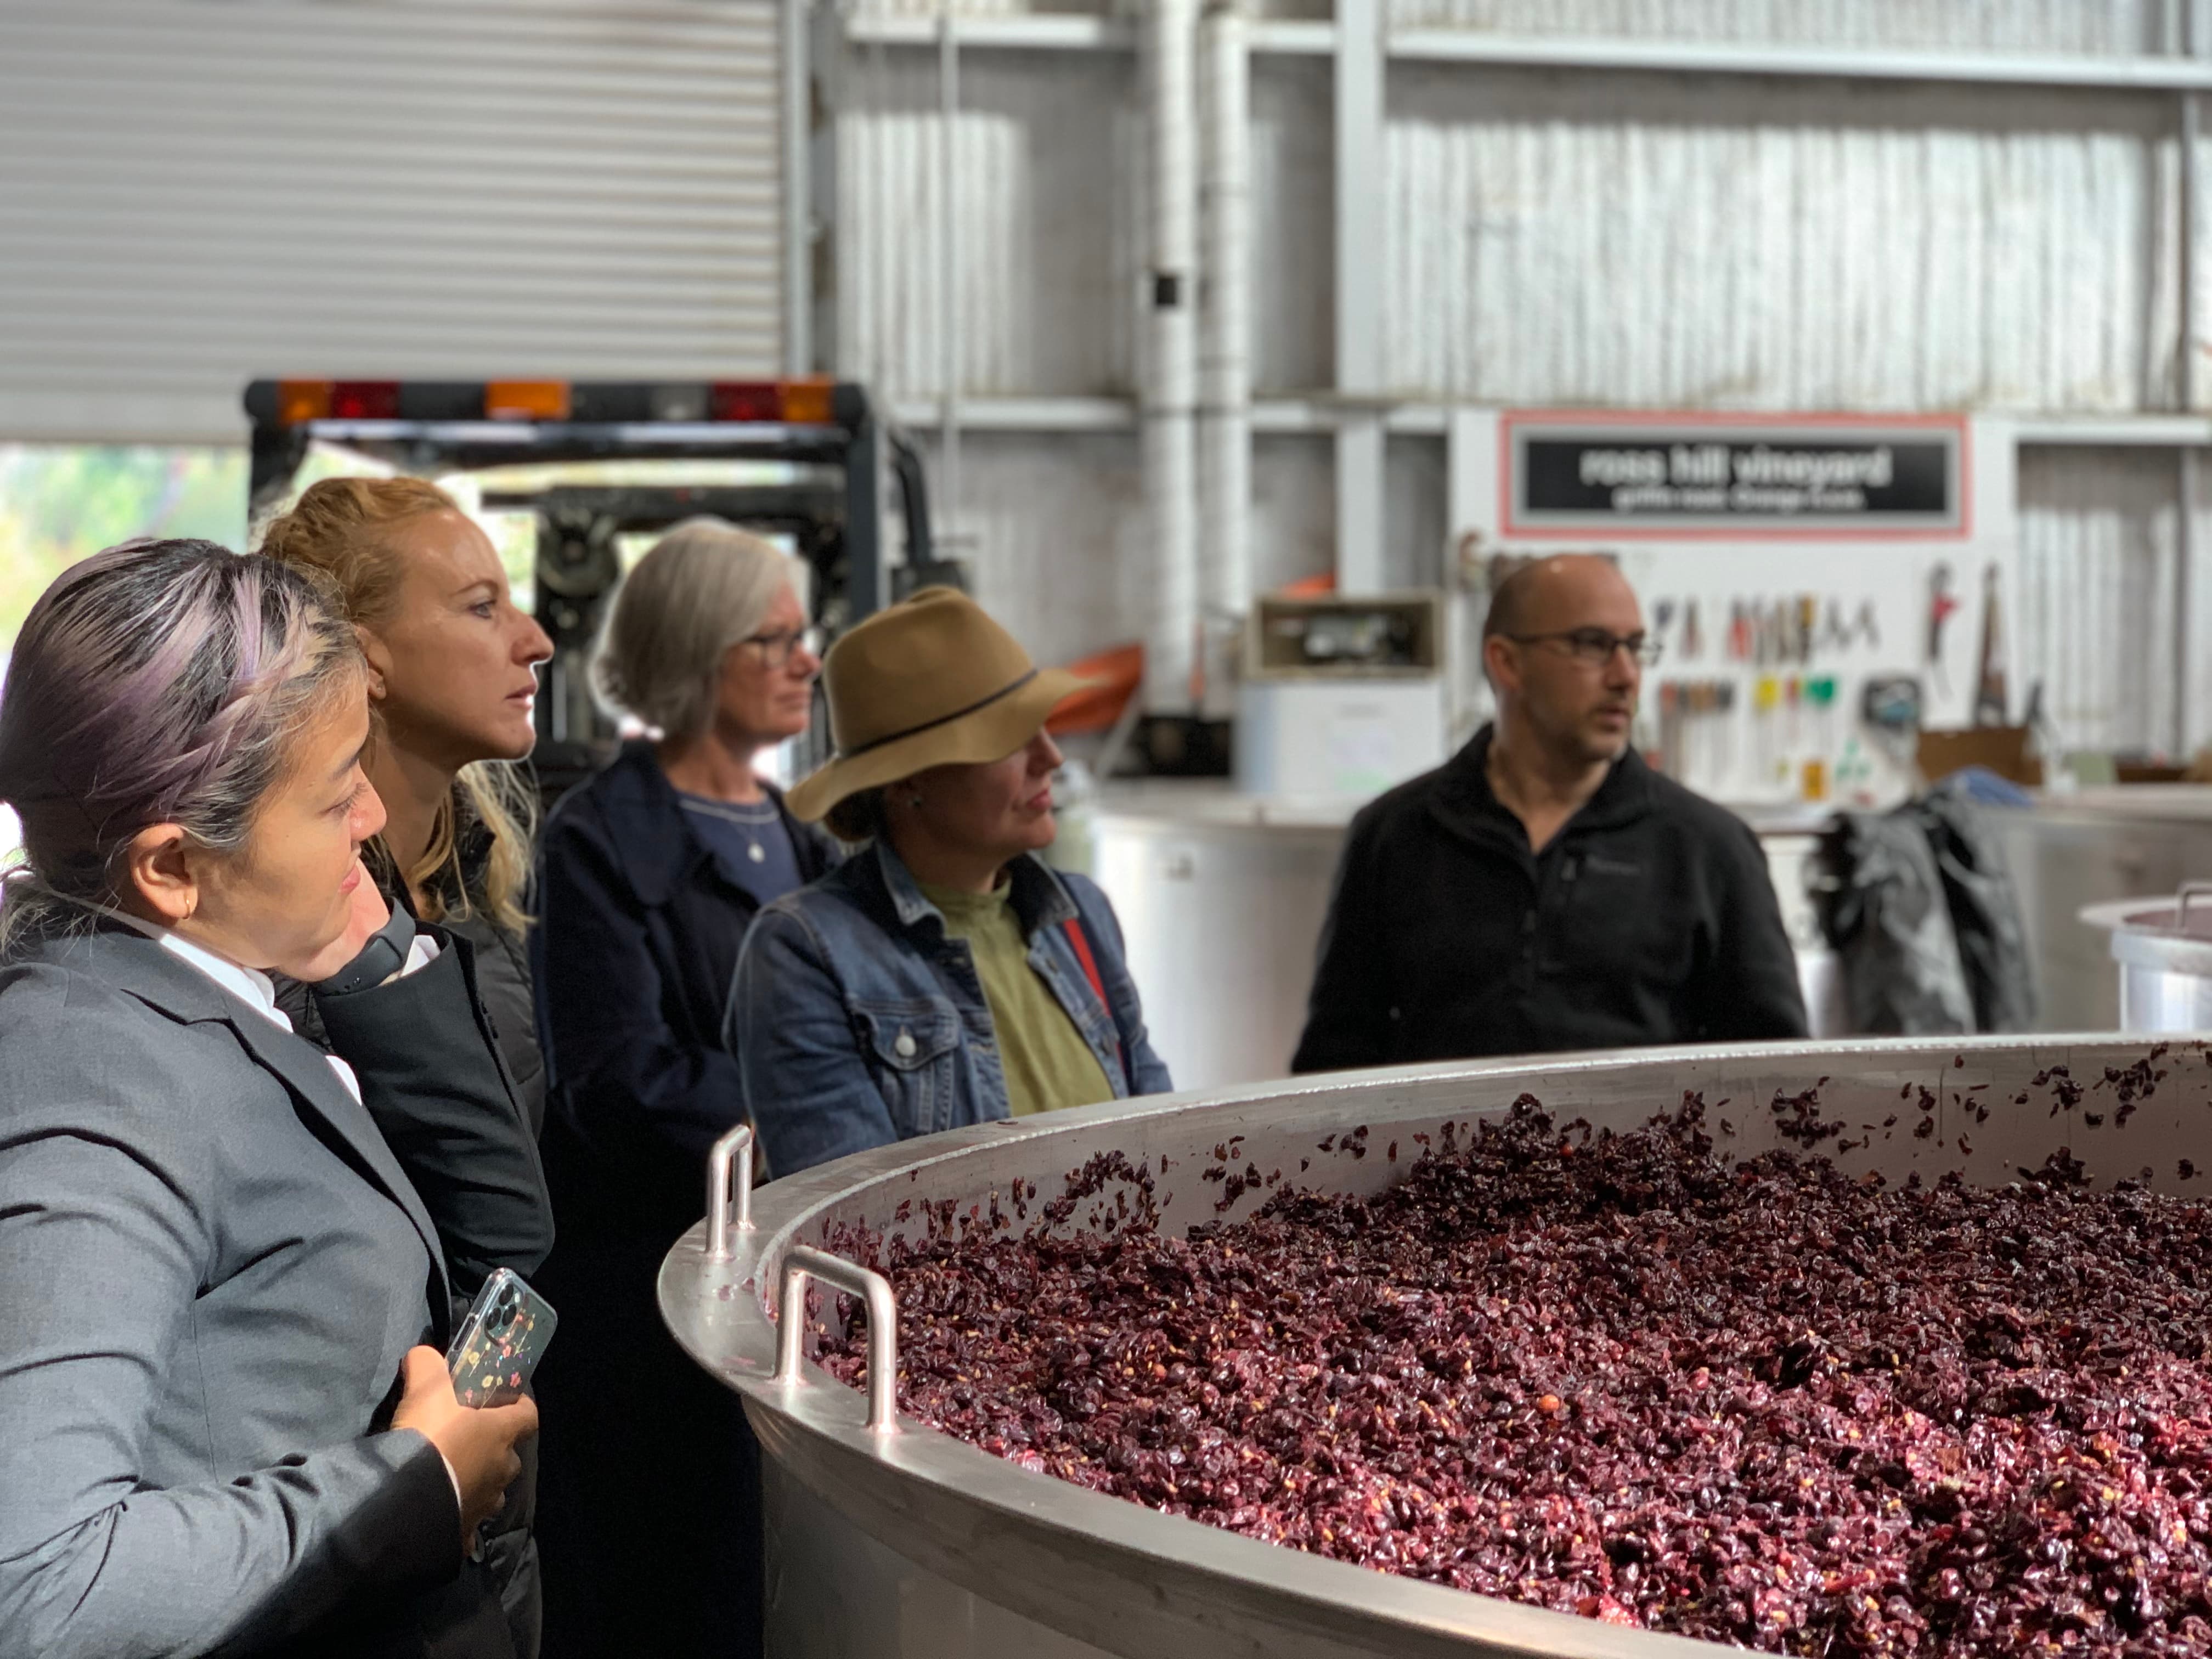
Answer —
(1822, 586)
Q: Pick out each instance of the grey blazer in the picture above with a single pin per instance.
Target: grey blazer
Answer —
(210, 1264)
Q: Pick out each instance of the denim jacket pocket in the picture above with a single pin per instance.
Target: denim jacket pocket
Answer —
(913, 1047)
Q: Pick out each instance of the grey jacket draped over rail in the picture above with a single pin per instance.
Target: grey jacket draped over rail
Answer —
(211, 1261)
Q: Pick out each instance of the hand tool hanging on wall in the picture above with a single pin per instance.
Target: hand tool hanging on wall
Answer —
(1724, 705)
(1808, 613)
(1662, 618)
(1693, 636)
(1891, 707)
(1835, 637)
(1941, 606)
(1765, 697)
(1739, 634)
(1821, 695)
(1867, 625)
(1990, 703)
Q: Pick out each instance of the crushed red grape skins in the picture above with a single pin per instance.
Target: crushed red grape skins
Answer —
(1622, 1376)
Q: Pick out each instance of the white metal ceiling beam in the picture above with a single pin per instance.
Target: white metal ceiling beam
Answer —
(1319, 416)
(1053, 32)
(2143, 73)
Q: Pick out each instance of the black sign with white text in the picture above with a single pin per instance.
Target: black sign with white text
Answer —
(1812, 478)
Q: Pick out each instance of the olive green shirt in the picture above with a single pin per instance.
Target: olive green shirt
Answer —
(1046, 1060)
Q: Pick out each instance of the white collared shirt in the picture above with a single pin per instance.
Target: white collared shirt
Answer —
(256, 990)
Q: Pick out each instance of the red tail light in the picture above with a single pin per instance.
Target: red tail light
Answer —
(365, 400)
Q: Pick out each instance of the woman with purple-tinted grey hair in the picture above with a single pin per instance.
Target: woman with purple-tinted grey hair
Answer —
(225, 1421)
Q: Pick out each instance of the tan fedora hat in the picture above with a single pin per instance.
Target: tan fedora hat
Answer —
(932, 681)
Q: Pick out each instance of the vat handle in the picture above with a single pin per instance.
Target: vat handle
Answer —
(801, 1264)
(2187, 890)
(733, 1148)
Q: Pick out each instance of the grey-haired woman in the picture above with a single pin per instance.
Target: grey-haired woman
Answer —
(649, 875)
(225, 1421)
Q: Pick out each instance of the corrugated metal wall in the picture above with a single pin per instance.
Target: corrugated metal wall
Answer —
(1615, 239)
(1047, 177)
(2099, 554)
(1051, 526)
(1554, 238)
(194, 193)
(1293, 227)
(2094, 26)
(1669, 242)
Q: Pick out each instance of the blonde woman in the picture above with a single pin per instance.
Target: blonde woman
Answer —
(651, 873)
(451, 674)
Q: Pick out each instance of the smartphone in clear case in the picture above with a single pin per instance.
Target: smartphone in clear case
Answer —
(500, 1342)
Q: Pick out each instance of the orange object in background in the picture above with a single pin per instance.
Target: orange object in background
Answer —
(1114, 676)
(525, 400)
(1309, 588)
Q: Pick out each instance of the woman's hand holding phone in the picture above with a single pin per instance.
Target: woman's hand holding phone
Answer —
(478, 1442)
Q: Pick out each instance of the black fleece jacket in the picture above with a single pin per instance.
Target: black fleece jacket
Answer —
(1647, 919)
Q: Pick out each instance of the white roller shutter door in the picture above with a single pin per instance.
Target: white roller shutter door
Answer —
(195, 193)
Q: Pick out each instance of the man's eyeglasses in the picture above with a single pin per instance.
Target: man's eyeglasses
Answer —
(775, 648)
(1595, 646)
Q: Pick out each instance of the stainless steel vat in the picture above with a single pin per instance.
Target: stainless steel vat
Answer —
(911, 1543)
(2164, 950)
(2096, 847)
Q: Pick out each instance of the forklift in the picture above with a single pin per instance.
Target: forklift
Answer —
(560, 450)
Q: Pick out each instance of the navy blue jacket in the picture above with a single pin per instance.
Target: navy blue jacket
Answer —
(635, 948)
(635, 945)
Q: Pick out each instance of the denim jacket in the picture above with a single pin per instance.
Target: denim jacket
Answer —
(858, 1022)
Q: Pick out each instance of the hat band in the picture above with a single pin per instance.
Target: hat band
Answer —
(942, 719)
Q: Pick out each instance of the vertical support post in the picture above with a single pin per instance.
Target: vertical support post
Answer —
(864, 519)
(797, 191)
(1359, 229)
(1470, 470)
(2185, 594)
(2185, 377)
(1168, 433)
(1224, 366)
(949, 343)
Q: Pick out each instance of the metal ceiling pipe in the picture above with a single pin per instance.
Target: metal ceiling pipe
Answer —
(1168, 404)
(1224, 419)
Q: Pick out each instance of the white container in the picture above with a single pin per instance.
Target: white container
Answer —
(1337, 739)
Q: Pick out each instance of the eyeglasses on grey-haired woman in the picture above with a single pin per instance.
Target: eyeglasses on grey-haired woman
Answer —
(775, 649)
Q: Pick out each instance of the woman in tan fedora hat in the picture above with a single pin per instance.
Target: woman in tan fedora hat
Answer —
(945, 974)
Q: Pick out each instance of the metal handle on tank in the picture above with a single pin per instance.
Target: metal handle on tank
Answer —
(801, 1264)
(2186, 891)
(733, 1148)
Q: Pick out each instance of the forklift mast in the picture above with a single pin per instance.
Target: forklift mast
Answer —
(828, 431)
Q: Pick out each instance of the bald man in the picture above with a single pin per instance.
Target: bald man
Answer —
(1544, 889)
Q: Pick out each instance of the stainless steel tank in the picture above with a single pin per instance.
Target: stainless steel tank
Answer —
(2095, 847)
(2163, 947)
(897, 1539)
